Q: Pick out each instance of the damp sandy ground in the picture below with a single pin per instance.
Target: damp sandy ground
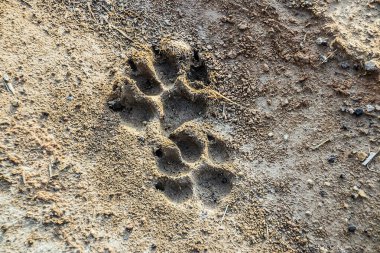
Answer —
(189, 126)
(354, 24)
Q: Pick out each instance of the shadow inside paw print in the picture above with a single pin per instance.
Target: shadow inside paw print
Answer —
(177, 190)
(190, 146)
(137, 114)
(204, 155)
(179, 109)
(169, 161)
(217, 149)
(166, 68)
(198, 70)
(166, 85)
(134, 108)
(212, 184)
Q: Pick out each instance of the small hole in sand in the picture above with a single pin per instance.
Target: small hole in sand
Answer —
(132, 65)
(196, 55)
(160, 186)
(156, 50)
(210, 137)
(158, 153)
(199, 73)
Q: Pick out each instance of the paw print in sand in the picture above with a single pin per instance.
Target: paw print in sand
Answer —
(193, 162)
(165, 93)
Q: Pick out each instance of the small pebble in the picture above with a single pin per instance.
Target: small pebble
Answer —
(345, 65)
(370, 108)
(310, 182)
(332, 159)
(243, 26)
(44, 115)
(358, 112)
(70, 97)
(361, 155)
(180, 14)
(232, 54)
(323, 193)
(286, 137)
(265, 67)
(270, 134)
(15, 103)
(6, 77)
(362, 194)
(284, 102)
(308, 213)
(371, 66)
(321, 41)
(323, 58)
(115, 105)
(351, 228)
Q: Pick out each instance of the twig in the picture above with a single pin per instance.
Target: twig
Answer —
(216, 94)
(303, 41)
(331, 54)
(105, 8)
(121, 32)
(371, 156)
(9, 87)
(213, 94)
(266, 229)
(224, 214)
(50, 171)
(282, 25)
(320, 144)
(89, 9)
(23, 177)
(26, 3)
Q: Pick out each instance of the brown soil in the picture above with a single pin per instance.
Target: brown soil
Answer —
(189, 126)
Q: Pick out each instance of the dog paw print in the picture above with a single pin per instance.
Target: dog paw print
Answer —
(166, 90)
(195, 165)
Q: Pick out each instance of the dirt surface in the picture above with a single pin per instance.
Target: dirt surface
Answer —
(189, 126)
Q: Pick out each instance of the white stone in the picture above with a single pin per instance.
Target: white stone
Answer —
(370, 108)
